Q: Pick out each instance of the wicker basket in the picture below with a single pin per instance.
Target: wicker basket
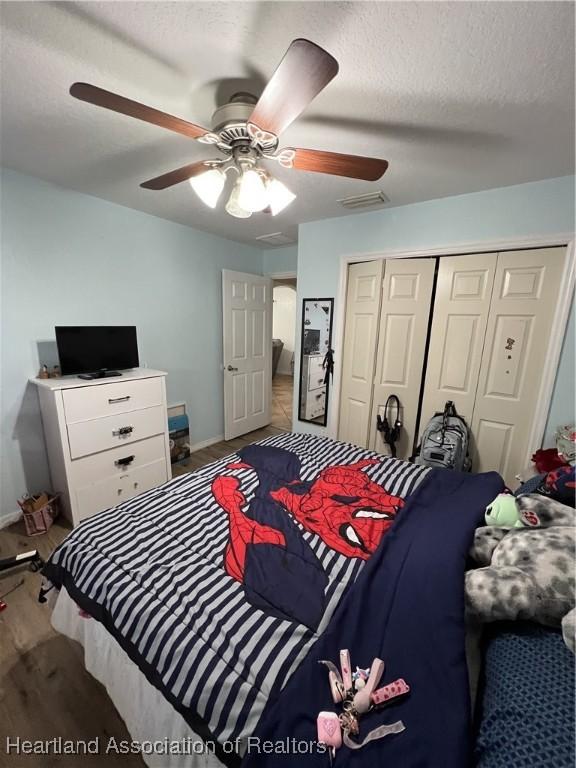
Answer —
(39, 512)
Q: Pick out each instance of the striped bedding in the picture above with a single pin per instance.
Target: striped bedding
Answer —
(153, 571)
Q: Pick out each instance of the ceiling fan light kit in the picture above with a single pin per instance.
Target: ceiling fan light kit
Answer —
(209, 185)
(252, 195)
(233, 206)
(279, 196)
(247, 131)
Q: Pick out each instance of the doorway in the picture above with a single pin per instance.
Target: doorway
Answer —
(283, 346)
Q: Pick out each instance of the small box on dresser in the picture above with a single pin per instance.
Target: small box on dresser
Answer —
(107, 439)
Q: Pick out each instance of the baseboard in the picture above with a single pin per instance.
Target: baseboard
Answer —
(10, 518)
(206, 443)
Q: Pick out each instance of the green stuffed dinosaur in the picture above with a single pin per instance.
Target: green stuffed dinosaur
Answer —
(504, 512)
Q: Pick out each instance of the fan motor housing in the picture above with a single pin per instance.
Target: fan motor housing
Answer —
(229, 123)
(234, 112)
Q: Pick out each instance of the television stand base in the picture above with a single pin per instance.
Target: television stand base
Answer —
(103, 374)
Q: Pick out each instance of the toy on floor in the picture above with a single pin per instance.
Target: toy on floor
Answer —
(356, 692)
(529, 564)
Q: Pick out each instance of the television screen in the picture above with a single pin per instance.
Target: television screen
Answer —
(89, 349)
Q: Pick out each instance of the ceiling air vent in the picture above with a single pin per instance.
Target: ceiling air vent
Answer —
(276, 238)
(365, 201)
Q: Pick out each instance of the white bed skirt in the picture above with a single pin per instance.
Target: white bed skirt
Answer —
(150, 719)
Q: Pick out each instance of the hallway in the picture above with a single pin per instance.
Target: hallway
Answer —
(282, 388)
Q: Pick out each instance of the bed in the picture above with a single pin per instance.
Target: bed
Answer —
(205, 604)
(525, 713)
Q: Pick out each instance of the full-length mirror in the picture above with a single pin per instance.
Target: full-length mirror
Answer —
(314, 366)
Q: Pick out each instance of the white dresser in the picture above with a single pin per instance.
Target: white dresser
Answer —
(313, 393)
(107, 439)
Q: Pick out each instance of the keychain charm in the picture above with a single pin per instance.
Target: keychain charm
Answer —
(329, 732)
(356, 692)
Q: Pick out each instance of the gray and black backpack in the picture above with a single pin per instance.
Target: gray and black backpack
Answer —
(445, 441)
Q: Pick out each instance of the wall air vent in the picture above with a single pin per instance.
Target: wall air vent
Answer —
(276, 238)
(364, 201)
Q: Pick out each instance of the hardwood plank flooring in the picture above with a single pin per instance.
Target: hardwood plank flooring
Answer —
(282, 387)
(222, 449)
(44, 689)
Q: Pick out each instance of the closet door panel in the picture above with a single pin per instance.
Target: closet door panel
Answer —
(360, 335)
(461, 308)
(521, 315)
(406, 297)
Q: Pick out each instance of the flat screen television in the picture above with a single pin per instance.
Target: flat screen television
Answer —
(93, 351)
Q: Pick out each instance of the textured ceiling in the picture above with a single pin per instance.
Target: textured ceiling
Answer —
(458, 97)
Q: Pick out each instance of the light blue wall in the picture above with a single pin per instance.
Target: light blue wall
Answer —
(539, 208)
(279, 260)
(71, 259)
(562, 407)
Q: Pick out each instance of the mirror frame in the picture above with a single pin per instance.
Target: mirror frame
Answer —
(327, 385)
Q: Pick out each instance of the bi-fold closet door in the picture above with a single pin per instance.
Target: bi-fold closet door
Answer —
(387, 314)
(491, 321)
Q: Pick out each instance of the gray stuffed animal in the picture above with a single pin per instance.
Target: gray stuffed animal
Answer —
(528, 571)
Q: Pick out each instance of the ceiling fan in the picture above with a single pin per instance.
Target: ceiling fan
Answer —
(246, 131)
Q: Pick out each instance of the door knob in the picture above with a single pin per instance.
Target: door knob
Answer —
(231, 368)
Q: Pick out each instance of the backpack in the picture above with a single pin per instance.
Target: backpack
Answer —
(445, 441)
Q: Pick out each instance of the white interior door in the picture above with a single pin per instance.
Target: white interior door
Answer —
(404, 315)
(359, 353)
(461, 308)
(247, 331)
(524, 300)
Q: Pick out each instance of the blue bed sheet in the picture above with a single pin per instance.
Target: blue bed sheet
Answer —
(526, 708)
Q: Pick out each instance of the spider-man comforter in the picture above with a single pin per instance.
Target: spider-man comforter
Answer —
(227, 585)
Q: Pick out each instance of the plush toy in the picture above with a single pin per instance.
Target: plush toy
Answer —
(528, 571)
(503, 512)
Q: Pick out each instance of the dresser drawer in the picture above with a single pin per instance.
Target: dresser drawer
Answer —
(110, 491)
(315, 364)
(87, 437)
(117, 461)
(93, 402)
(315, 405)
(315, 379)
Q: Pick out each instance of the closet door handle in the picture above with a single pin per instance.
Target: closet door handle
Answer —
(231, 368)
(118, 399)
(122, 431)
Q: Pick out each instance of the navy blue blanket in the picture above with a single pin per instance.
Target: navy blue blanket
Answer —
(406, 607)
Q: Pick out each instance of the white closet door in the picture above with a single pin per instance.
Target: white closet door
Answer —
(461, 309)
(521, 315)
(360, 336)
(406, 296)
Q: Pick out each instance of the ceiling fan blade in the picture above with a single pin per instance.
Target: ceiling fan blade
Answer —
(101, 98)
(317, 161)
(177, 176)
(303, 72)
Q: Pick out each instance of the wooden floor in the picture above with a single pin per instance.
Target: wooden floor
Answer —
(282, 401)
(44, 689)
(220, 450)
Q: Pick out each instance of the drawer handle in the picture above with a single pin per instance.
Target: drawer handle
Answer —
(122, 431)
(118, 399)
(124, 462)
